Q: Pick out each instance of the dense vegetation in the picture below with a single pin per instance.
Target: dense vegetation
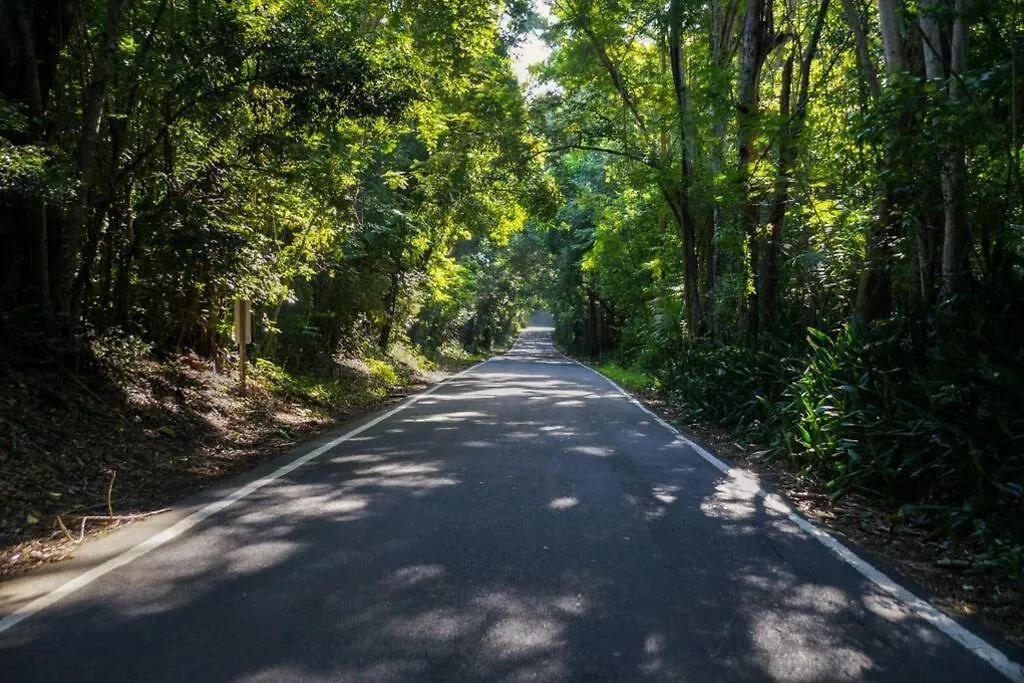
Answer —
(351, 167)
(803, 220)
(800, 218)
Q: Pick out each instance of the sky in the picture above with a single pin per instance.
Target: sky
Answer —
(533, 50)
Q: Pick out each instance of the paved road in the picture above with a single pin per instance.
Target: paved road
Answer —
(525, 522)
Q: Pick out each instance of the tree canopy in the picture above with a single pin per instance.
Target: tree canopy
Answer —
(803, 219)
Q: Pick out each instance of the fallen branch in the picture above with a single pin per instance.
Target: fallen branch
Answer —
(110, 493)
(102, 518)
(60, 524)
(124, 518)
(966, 566)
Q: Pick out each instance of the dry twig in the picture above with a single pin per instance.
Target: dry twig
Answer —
(110, 492)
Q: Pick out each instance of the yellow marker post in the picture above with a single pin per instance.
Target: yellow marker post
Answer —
(242, 335)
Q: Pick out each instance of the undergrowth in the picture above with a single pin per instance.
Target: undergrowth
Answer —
(630, 378)
(932, 425)
(346, 383)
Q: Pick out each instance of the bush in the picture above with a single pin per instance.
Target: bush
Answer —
(119, 355)
(630, 378)
(942, 428)
(735, 386)
(936, 428)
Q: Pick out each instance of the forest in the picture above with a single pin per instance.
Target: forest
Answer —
(800, 221)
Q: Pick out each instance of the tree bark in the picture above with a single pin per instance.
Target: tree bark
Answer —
(769, 276)
(753, 51)
(867, 67)
(36, 31)
(893, 44)
(390, 307)
(954, 171)
(789, 147)
(722, 48)
(92, 117)
(691, 269)
(874, 292)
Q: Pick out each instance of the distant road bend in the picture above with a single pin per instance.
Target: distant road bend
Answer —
(524, 521)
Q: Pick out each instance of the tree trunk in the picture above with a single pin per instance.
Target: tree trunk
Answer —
(92, 117)
(36, 32)
(753, 50)
(893, 45)
(954, 171)
(691, 270)
(867, 67)
(874, 293)
(390, 307)
(722, 49)
(789, 146)
(769, 276)
(122, 285)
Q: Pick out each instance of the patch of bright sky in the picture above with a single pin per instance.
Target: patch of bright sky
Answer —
(533, 50)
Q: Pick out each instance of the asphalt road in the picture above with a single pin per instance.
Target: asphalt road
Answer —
(524, 522)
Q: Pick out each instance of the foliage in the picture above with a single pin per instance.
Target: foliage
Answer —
(339, 164)
(806, 233)
(629, 378)
(691, 188)
(937, 433)
(345, 385)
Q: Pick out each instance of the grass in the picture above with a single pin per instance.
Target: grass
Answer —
(451, 357)
(166, 427)
(629, 378)
(348, 384)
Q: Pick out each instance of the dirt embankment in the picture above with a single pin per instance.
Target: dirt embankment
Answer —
(81, 452)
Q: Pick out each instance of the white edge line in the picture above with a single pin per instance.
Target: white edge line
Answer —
(183, 525)
(1009, 668)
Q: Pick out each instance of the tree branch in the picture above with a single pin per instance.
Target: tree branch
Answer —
(632, 156)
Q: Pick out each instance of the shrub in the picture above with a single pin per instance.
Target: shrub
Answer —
(936, 428)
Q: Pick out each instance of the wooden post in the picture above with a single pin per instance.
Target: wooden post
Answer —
(241, 366)
(242, 335)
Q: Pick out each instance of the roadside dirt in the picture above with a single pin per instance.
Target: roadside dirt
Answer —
(948, 578)
(80, 454)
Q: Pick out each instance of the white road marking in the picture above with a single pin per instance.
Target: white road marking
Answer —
(1009, 668)
(187, 523)
(1012, 670)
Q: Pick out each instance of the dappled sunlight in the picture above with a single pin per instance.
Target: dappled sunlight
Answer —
(523, 635)
(810, 654)
(597, 451)
(448, 417)
(519, 435)
(735, 497)
(528, 391)
(345, 508)
(493, 538)
(255, 557)
(655, 662)
(885, 606)
(357, 458)
(408, 577)
(421, 477)
(443, 625)
(665, 494)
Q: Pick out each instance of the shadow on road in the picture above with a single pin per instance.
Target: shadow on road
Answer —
(525, 522)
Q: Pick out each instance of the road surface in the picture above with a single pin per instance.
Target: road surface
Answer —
(523, 522)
